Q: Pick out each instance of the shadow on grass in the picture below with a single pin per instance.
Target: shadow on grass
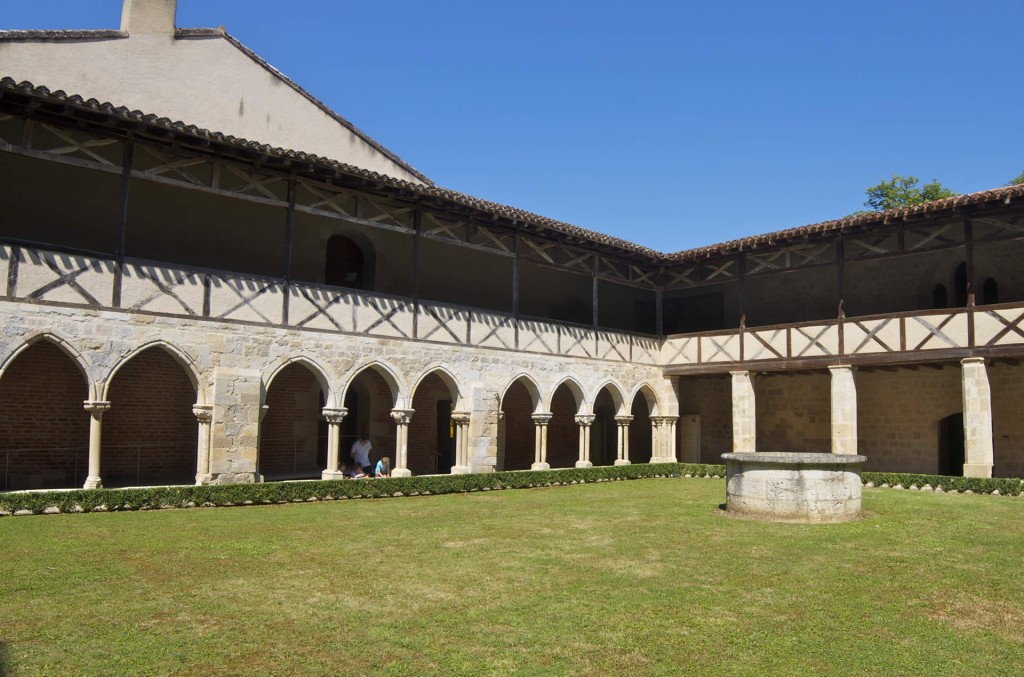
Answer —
(5, 661)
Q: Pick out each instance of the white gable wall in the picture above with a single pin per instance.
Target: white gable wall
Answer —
(206, 81)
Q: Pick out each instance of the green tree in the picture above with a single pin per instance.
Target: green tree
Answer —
(1018, 181)
(900, 191)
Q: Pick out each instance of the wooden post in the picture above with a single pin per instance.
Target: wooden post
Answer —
(969, 265)
(594, 299)
(515, 287)
(841, 281)
(122, 221)
(741, 271)
(659, 313)
(416, 225)
(289, 228)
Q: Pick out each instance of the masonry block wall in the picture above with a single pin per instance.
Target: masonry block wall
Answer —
(291, 438)
(517, 405)
(793, 412)
(150, 433)
(423, 433)
(44, 430)
(899, 414)
(709, 397)
(1007, 383)
(563, 433)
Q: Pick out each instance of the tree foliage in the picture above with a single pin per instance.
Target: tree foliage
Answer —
(1017, 181)
(900, 191)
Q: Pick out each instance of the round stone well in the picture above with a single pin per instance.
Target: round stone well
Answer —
(793, 487)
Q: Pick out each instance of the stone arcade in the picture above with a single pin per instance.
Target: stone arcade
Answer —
(237, 282)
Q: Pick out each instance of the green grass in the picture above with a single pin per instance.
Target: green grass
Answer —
(623, 577)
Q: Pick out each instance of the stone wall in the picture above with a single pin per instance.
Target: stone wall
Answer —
(41, 393)
(291, 432)
(709, 397)
(1007, 383)
(793, 411)
(233, 361)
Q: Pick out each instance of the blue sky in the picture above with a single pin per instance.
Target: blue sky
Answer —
(671, 124)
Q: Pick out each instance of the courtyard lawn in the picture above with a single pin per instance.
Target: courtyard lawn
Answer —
(639, 577)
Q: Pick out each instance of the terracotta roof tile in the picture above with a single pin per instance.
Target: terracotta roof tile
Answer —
(851, 223)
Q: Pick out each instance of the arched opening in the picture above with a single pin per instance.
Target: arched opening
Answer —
(603, 433)
(951, 445)
(563, 432)
(369, 400)
(940, 296)
(345, 265)
(517, 407)
(44, 430)
(150, 433)
(640, 433)
(989, 292)
(431, 432)
(293, 436)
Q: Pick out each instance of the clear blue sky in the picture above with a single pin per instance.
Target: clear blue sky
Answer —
(671, 124)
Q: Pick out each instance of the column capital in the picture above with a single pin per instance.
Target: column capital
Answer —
(585, 420)
(973, 360)
(741, 372)
(841, 367)
(402, 416)
(96, 408)
(461, 417)
(203, 412)
(334, 415)
(664, 419)
(624, 419)
(542, 418)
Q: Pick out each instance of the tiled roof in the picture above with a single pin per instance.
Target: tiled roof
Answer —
(518, 216)
(1005, 195)
(381, 180)
(221, 33)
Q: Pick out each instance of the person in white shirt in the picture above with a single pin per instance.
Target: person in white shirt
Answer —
(361, 452)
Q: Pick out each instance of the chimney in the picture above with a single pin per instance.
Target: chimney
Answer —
(148, 17)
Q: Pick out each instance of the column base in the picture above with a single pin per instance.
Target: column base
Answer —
(460, 470)
(584, 464)
(540, 466)
(662, 459)
(93, 483)
(621, 461)
(977, 470)
(203, 478)
(332, 475)
(401, 472)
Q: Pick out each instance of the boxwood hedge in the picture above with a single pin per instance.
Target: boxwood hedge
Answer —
(151, 498)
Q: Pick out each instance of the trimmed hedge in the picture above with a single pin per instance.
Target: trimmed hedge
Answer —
(977, 485)
(99, 500)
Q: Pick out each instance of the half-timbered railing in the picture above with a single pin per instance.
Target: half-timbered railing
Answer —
(33, 274)
(917, 336)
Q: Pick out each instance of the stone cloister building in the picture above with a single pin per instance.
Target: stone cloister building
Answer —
(233, 283)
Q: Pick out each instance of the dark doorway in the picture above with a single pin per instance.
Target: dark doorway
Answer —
(445, 437)
(345, 261)
(951, 445)
(989, 292)
(960, 286)
(940, 297)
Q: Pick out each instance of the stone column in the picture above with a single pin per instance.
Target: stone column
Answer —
(584, 421)
(334, 418)
(540, 449)
(978, 455)
(623, 425)
(670, 439)
(203, 414)
(844, 410)
(96, 409)
(663, 439)
(401, 418)
(461, 420)
(744, 418)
